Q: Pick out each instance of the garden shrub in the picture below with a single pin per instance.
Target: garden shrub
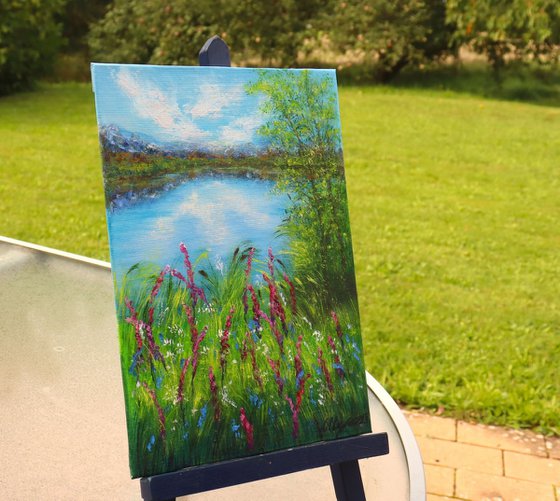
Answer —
(30, 37)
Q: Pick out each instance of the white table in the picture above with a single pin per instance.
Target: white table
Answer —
(62, 419)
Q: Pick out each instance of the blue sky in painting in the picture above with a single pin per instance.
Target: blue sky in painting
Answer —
(177, 104)
(190, 105)
(193, 105)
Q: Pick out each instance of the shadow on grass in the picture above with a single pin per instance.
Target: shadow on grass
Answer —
(540, 86)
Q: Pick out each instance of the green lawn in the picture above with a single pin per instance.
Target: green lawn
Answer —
(455, 208)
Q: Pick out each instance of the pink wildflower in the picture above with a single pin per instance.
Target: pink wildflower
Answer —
(140, 326)
(187, 261)
(158, 283)
(249, 262)
(325, 370)
(224, 342)
(337, 364)
(244, 348)
(337, 325)
(276, 308)
(248, 427)
(196, 292)
(133, 320)
(256, 372)
(294, 408)
(271, 262)
(195, 350)
(275, 366)
(292, 294)
(297, 359)
(192, 324)
(178, 275)
(182, 379)
(214, 393)
(256, 306)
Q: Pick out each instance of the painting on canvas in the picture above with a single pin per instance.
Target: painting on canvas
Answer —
(232, 261)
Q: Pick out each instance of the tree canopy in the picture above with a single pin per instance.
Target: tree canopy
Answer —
(378, 38)
(30, 38)
(515, 29)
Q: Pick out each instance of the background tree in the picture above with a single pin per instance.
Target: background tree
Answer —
(76, 19)
(30, 38)
(137, 31)
(273, 32)
(523, 30)
(391, 33)
(303, 131)
(172, 33)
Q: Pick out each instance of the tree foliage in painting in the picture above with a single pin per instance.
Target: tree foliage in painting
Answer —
(303, 130)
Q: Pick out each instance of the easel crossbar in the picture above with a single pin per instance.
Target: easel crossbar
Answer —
(238, 471)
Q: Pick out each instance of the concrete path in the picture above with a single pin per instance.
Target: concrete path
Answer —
(465, 461)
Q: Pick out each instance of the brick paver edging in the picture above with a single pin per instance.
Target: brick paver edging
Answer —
(476, 462)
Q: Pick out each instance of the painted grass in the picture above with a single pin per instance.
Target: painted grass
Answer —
(454, 203)
(222, 363)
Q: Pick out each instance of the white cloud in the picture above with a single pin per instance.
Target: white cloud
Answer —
(162, 108)
(213, 99)
(214, 214)
(240, 130)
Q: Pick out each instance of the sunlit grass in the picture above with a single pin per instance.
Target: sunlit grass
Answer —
(454, 206)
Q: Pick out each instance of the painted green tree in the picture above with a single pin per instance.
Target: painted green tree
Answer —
(303, 130)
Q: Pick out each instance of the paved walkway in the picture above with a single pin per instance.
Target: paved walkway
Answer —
(476, 462)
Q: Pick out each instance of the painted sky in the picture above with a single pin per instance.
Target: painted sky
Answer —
(191, 105)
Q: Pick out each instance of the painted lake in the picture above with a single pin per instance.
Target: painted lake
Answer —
(212, 214)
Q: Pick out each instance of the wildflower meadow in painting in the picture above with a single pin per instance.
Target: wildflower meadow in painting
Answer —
(232, 261)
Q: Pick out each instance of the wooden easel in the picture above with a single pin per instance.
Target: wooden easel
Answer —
(341, 455)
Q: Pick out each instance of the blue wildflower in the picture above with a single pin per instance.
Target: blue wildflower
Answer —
(202, 417)
(255, 400)
(299, 377)
(151, 443)
(235, 428)
(135, 359)
(312, 398)
(253, 325)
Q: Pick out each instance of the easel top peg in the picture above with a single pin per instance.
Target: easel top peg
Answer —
(215, 52)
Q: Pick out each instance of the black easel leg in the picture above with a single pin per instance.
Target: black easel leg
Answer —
(348, 481)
